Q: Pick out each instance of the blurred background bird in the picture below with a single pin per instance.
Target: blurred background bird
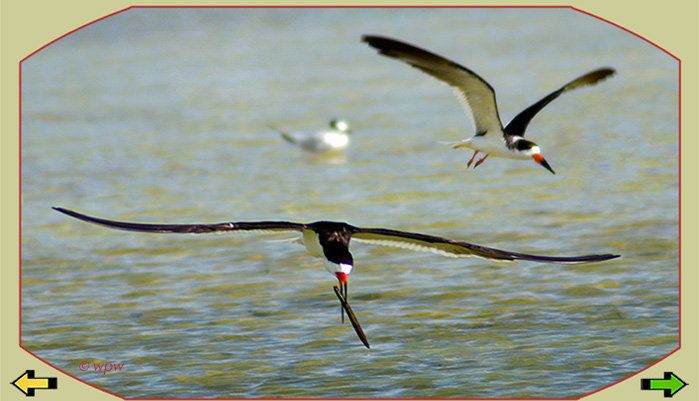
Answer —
(334, 140)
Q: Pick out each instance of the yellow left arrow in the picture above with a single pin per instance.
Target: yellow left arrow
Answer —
(27, 383)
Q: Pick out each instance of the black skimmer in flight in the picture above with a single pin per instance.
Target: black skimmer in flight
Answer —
(333, 141)
(330, 241)
(478, 99)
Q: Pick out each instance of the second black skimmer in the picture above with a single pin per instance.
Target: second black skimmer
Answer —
(478, 99)
(330, 241)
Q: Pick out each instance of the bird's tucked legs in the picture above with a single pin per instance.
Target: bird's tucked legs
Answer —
(475, 152)
(480, 161)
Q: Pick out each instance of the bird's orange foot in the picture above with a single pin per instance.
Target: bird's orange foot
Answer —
(478, 163)
(472, 158)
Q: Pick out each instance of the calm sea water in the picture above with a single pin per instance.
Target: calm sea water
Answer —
(161, 115)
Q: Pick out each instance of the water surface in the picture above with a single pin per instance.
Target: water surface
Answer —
(160, 115)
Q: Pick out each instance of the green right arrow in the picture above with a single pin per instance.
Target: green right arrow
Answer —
(671, 384)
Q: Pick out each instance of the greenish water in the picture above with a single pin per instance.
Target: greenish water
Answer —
(160, 115)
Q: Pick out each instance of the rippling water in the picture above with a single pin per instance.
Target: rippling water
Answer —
(160, 115)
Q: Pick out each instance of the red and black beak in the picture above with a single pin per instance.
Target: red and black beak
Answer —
(342, 278)
(540, 159)
(352, 317)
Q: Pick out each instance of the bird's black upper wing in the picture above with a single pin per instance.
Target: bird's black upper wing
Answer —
(518, 125)
(475, 94)
(376, 236)
(261, 226)
(451, 248)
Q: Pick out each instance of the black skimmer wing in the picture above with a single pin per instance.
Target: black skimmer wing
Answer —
(475, 94)
(334, 238)
(459, 249)
(518, 125)
(262, 226)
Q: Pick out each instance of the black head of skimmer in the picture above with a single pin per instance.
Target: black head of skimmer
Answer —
(478, 99)
(330, 241)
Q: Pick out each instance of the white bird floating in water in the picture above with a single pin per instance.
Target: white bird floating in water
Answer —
(331, 141)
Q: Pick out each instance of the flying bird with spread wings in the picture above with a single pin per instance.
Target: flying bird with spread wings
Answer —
(478, 100)
(330, 241)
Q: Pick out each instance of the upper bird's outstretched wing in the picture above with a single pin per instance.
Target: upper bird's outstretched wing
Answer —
(456, 249)
(260, 226)
(518, 125)
(476, 96)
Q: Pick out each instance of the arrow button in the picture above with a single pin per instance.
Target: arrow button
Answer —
(670, 384)
(27, 383)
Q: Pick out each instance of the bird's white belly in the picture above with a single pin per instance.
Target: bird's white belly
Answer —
(492, 145)
(310, 241)
(336, 141)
